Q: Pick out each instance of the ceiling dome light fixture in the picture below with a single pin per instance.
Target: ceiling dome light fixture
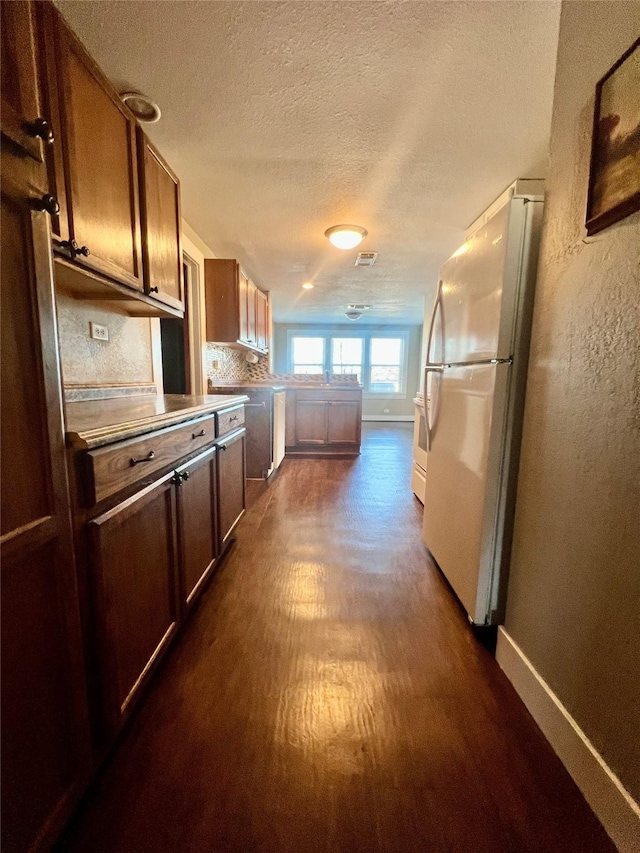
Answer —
(353, 315)
(345, 236)
(143, 108)
(308, 285)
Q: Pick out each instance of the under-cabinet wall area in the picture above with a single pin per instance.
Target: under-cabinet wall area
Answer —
(126, 359)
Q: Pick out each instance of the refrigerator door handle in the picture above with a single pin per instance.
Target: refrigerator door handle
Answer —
(436, 306)
(430, 369)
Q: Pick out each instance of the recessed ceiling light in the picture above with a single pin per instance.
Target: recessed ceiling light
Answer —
(353, 315)
(346, 236)
(143, 108)
(308, 286)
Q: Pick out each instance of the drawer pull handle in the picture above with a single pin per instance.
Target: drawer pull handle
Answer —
(234, 418)
(222, 446)
(150, 455)
(198, 434)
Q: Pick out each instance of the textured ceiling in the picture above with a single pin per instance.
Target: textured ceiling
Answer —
(284, 118)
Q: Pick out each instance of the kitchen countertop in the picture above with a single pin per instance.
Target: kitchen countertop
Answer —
(94, 423)
(285, 385)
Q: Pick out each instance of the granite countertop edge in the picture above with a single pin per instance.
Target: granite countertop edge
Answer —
(123, 427)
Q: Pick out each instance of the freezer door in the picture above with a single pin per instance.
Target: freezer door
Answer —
(462, 506)
(479, 289)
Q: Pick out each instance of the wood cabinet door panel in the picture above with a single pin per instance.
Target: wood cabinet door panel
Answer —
(343, 425)
(133, 567)
(197, 522)
(231, 484)
(161, 226)
(101, 159)
(252, 305)
(45, 743)
(243, 304)
(311, 422)
(19, 91)
(262, 320)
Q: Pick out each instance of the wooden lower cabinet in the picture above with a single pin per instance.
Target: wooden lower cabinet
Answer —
(311, 421)
(231, 484)
(343, 422)
(197, 522)
(324, 421)
(133, 573)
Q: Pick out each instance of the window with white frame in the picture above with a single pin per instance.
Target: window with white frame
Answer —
(307, 354)
(386, 362)
(377, 358)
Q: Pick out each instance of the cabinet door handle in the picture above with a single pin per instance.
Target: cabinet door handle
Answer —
(198, 434)
(222, 447)
(72, 247)
(48, 203)
(41, 128)
(150, 455)
(185, 476)
(153, 290)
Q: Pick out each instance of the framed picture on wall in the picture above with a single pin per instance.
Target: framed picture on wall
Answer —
(614, 178)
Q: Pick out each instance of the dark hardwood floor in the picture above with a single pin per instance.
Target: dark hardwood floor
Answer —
(329, 696)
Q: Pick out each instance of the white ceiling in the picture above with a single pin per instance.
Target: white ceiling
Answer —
(284, 118)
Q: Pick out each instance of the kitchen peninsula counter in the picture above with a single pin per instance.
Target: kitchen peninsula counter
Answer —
(94, 423)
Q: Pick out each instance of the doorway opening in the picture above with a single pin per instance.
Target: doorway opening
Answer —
(174, 342)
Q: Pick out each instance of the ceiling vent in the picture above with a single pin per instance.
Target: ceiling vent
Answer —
(366, 259)
(358, 307)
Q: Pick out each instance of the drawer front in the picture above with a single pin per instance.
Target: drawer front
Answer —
(113, 468)
(230, 419)
(329, 395)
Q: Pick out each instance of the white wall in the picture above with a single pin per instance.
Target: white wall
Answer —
(574, 590)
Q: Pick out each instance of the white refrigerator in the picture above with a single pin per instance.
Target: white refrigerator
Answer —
(475, 374)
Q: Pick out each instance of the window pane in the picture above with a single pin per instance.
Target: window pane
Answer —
(346, 356)
(385, 379)
(307, 351)
(386, 351)
(346, 350)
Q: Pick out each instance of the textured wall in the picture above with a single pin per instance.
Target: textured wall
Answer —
(574, 592)
(397, 406)
(125, 359)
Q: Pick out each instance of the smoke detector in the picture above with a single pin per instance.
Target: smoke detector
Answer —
(353, 315)
(366, 259)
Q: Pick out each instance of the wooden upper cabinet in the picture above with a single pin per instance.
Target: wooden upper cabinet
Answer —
(22, 119)
(232, 304)
(100, 158)
(161, 226)
(262, 320)
(243, 305)
(252, 330)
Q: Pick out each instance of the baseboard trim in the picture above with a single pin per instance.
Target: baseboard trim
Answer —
(613, 805)
(388, 417)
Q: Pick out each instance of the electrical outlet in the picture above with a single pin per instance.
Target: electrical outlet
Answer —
(98, 332)
(386, 411)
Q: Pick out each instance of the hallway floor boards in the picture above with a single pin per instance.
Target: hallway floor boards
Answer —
(329, 696)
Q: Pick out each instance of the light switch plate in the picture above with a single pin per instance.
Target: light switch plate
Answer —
(98, 332)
